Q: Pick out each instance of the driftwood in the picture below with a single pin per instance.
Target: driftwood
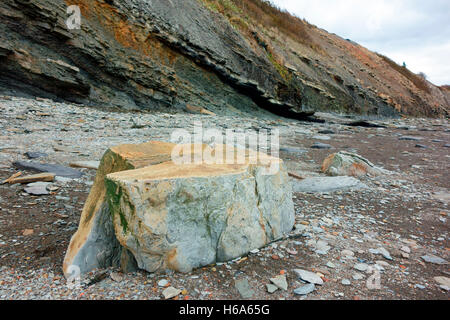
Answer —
(293, 175)
(44, 177)
(12, 177)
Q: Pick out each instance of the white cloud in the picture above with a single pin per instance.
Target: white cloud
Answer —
(412, 31)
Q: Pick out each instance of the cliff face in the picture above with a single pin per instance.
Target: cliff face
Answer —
(166, 54)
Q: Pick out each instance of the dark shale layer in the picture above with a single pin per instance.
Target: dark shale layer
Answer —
(164, 55)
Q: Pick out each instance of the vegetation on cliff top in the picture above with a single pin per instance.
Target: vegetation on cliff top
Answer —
(419, 80)
(242, 13)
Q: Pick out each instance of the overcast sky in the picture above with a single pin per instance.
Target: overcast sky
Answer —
(413, 31)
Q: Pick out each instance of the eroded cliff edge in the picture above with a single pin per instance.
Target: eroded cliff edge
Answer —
(164, 55)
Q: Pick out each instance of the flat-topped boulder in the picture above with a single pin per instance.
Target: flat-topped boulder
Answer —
(180, 216)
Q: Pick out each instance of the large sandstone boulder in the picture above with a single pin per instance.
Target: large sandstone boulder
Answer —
(178, 216)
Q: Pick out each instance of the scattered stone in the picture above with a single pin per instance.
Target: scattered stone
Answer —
(326, 131)
(405, 249)
(37, 188)
(27, 232)
(382, 264)
(347, 253)
(86, 164)
(244, 288)
(421, 146)
(309, 276)
(62, 198)
(381, 251)
(322, 247)
(171, 292)
(358, 276)
(305, 290)
(292, 150)
(442, 196)
(365, 124)
(433, 259)
(346, 282)
(443, 281)
(45, 260)
(36, 155)
(271, 288)
(322, 137)
(361, 267)
(281, 282)
(7, 148)
(163, 283)
(327, 184)
(419, 286)
(323, 146)
(409, 138)
(58, 170)
(59, 148)
(63, 180)
(117, 277)
(331, 265)
(322, 272)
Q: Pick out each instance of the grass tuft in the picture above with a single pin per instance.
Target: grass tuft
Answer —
(242, 13)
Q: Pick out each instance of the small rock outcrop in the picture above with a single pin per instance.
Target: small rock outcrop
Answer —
(180, 216)
(349, 164)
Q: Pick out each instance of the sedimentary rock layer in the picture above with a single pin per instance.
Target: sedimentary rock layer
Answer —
(161, 55)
